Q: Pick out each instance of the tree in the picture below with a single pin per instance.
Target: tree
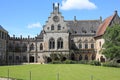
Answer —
(112, 43)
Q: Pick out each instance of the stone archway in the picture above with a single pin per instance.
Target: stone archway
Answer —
(31, 59)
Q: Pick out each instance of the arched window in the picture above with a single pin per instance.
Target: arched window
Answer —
(17, 47)
(24, 49)
(80, 46)
(41, 46)
(32, 47)
(92, 46)
(84, 30)
(100, 44)
(17, 58)
(86, 57)
(86, 46)
(93, 57)
(60, 43)
(11, 47)
(51, 43)
(24, 58)
(59, 27)
(52, 27)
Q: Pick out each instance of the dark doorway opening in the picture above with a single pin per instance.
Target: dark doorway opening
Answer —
(64, 58)
(31, 59)
(86, 57)
(49, 60)
(93, 57)
(102, 59)
(118, 61)
(80, 58)
(72, 56)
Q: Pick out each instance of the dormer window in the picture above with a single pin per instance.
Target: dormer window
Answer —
(47, 28)
(52, 27)
(84, 30)
(59, 27)
(75, 32)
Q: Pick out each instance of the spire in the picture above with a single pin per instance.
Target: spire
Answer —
(53, 6)
(115, 11)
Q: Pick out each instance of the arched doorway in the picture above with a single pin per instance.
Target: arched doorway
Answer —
(72, 56)
(86, 57)
(102, 59)
(31, 59)
(93, 57)
(118, 61)
(80, 58)
(64, 58)
(49, 59)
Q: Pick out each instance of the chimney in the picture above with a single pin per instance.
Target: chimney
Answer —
(21, 36)
(101, 19)
(14, 36)
(74, 18)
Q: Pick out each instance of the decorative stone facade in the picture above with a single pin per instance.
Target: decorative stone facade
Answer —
(75, 39)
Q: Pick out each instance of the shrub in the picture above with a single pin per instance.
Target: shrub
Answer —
(83, 62)
(111, 64)
(96, 63)
(56, 62)
(69, 62)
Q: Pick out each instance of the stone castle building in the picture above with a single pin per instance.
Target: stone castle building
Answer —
(73, 39)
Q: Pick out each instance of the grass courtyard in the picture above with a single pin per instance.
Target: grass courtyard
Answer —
(66, 72)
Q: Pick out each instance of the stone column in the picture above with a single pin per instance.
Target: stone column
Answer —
(28, 50)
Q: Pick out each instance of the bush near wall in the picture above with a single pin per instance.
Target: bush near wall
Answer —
(95, 63)
(83, 62)
(69, 62)
(111, 64)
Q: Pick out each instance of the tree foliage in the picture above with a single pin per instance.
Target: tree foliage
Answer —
(112, 42)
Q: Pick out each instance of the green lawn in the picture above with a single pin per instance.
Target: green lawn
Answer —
(66, 72)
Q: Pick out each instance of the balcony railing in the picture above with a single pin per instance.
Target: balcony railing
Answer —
(87, 50)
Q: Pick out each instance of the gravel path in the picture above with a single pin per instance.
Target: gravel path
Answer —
(5, 79)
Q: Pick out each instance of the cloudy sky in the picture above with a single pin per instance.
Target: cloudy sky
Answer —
(26, 17)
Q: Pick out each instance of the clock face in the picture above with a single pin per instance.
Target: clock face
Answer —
(56, 18)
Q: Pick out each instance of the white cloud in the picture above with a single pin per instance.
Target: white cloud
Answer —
(77, 4)
(34, 25)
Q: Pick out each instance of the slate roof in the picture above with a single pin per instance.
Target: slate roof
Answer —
(1, 28)
(83, 27)
(40, 36)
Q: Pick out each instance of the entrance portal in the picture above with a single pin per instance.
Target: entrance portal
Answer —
(31, 59)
